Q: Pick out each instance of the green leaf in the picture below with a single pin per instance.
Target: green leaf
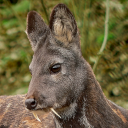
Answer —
(21, 7)
(10, 23)
(101, 38)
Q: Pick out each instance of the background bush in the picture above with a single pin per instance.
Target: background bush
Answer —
(16, 53)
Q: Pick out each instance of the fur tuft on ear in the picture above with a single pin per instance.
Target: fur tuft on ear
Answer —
(36, 28)
(63, 24)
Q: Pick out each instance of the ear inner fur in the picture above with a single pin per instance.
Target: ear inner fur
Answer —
(63, 24)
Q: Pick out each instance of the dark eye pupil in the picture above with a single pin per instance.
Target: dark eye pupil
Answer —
(55, 68)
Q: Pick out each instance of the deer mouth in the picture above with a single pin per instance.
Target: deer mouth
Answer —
(43, 111)
(38, 112)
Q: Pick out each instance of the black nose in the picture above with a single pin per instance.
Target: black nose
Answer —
(30, 103)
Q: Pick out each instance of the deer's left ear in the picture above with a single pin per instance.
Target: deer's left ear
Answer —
(63, 24)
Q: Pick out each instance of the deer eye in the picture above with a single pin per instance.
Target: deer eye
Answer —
(55, 68)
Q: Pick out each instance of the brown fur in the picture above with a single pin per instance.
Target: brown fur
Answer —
(14, 115)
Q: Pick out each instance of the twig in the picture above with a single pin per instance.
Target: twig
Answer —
(45, 11)
(105, 36)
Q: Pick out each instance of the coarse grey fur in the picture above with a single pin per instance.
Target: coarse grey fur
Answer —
(73, 91)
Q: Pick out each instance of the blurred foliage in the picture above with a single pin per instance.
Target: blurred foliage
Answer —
(16, 53)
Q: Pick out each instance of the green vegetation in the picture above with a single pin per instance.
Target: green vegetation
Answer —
(112, 68)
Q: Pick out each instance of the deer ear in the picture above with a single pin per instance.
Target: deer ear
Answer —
(63, 24)
(36, 28)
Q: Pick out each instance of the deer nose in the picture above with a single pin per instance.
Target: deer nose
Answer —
(30, 103)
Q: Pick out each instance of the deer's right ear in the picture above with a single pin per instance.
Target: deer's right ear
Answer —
(36, 28)
(63, 24)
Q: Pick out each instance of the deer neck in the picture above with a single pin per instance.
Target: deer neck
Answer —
(82, 112)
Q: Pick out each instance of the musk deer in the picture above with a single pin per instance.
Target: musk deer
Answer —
(63, 84)
(62, 80)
